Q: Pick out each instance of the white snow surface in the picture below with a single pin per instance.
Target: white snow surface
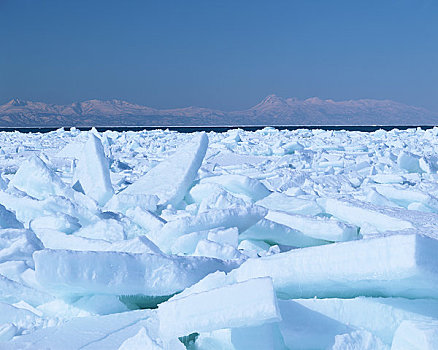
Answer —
(273, 239)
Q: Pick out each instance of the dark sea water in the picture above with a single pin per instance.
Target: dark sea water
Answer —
(188, 129)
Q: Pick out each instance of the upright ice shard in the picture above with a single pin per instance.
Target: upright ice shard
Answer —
(92, 173)
(171, 178)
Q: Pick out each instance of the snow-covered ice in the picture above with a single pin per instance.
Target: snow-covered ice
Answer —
(273, 239)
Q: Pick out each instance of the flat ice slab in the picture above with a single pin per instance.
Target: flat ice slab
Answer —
(66, 272)
(244, 304)
(398, 265)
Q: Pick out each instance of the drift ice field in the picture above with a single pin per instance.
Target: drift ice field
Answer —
(304, 239)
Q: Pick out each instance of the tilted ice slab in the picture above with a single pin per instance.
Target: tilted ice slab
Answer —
(93, 332)
(18, 245)
(92, 173)
(212, 196)
(380, 316)
(397, 265)
(59, 222)
(240, 217)
(293, 205)
(26, 208)
(244, 304)
(186, 244)
(212, 249)
(145, 219)
(239, 184)
(124, 202)
(38, 181)
(22, 317)
(405, 197)
(53, 239)
(8, 219)
(171, 178)
(316, 227)
(13, 292)
(382, 220)
(409, 162)
(65, 272)
(361, 213)
(275, 233)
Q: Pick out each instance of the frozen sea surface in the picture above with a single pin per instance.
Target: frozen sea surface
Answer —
(266, 239)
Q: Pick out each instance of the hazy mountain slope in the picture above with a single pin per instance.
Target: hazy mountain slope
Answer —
(273, 110)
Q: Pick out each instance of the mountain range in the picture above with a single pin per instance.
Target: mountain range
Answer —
(272, 110)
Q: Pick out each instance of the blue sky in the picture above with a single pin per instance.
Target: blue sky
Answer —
(218, 54)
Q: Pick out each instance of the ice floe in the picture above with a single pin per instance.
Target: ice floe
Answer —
(273, 239)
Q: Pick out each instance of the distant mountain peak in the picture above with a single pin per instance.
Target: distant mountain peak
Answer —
(17, 102)
(316, 100)
(272, 99)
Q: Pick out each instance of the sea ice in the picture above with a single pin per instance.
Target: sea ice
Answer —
(266, 336)
(245, 304)
(141, 341)
(316, 227)
(397, 265)
(223, 233)
(413, 335)
(92, 172)
(240, 217)
(380, 316)
(359, 213)
(171, 178)
(38, 181)
(239, 184)
(93, 332)
(276, 233)
(18, 245)
(290, 204)
(64, 272)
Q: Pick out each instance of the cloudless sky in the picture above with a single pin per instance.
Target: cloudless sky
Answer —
(218, 54)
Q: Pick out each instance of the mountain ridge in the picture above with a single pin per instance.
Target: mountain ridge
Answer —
(272, 110)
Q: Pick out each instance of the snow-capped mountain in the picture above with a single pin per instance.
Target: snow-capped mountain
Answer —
(273, 110)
